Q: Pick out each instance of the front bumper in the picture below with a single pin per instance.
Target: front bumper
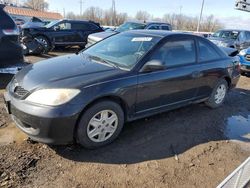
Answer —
(50, 125)
(245, 68)
(245, 65)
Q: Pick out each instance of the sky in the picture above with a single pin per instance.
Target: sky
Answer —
(223, 10)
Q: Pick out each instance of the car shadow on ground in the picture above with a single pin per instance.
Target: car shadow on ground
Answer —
(165, 135)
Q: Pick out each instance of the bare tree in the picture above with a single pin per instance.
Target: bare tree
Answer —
(41, 5)
(142, 15)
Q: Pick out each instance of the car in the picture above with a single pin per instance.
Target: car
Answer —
(63, 33)
(245, 61)
(34, 22)
(11, 52)
(239, 39)
(87, 97)
(130, 25)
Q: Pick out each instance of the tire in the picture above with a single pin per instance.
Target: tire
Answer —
(93, 130)
(45, 41)
(216, 99)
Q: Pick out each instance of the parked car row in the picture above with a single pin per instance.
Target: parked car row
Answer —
(11, 52)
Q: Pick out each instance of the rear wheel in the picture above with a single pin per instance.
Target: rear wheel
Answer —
(218, 95)
(100, 124)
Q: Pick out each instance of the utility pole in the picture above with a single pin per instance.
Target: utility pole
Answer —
(81, 4)
(113, 13)
(199, 22)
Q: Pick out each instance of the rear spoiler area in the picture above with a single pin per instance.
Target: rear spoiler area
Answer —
(232, 52)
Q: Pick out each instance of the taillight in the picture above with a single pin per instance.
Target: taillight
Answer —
(11, 31)
(237, 67)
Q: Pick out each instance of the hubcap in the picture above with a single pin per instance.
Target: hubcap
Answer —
(220, 94)
(102, 126)
(43, 41)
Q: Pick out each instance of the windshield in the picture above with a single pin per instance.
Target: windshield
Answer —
(51, 24)
(227, 34)
(122, 50)
(130, 26)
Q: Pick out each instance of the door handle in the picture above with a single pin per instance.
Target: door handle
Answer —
(197, 74)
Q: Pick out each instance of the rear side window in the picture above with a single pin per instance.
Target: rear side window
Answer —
(84, 26)
(165, 27)
(174, 53)
(248, 35)
(207, 52)
(154, 27)
(5, 20)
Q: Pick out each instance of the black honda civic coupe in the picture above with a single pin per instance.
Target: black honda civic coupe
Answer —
(87, 97)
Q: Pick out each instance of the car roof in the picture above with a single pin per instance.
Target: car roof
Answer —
(71, 20)
(238, 30)
(159, 33)
(146, 22)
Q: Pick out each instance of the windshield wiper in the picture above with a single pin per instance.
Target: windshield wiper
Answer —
(104, 61)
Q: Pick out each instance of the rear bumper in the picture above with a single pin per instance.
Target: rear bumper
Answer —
(50, 125)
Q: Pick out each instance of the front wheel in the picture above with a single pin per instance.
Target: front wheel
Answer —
(100, 125)
(46, 43)
(218, 95)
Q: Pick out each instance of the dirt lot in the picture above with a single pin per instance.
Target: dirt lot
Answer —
(189, 147)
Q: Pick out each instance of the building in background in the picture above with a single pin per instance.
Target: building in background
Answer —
(26, 14)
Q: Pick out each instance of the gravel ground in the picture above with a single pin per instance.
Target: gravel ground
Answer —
(188, 147)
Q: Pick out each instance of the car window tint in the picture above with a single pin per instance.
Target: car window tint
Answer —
(165, 27)
(248, 35)
(242, 36)
(84, 26)
(154, 27)
(175, 53)
(207, 52)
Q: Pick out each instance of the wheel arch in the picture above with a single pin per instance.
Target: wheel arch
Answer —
(112, 98)
(229, 81)
(45, 36)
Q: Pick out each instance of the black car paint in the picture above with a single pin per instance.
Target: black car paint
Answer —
(11, 53)
(67, 37)
(139, 93)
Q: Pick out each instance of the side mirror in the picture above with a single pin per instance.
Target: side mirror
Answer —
(57, 28)
(153, 65)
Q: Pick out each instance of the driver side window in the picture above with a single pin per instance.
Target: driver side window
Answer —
(64, 26)
(175, 53)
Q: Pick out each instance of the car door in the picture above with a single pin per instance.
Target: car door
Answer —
(212, 68)
(176, 84)
(241, 42)
(83, 29)
(247, 39)
(63, 33)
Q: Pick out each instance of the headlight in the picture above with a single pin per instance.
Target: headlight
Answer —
(52, 97)
(243, 52)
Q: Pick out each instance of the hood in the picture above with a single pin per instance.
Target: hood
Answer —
(33, 25)
(230, 51)
(101, 35)
(222, 41)
(71, 71)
